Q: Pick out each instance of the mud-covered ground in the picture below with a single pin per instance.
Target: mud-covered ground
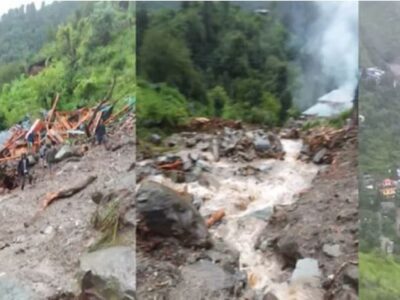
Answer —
(39, 253)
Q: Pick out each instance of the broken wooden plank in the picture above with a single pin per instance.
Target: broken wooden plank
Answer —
(172, 166)
(96, 122)
(82, 120)
(51, 112)
(95, 111)
(68, 192)
(118, 114)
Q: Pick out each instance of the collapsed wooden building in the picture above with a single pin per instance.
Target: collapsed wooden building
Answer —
(58, 126)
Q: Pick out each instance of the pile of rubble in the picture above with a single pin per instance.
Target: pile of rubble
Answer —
(320, 144)
(235, 144)
(199, 150)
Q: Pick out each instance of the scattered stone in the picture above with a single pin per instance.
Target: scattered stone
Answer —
(48, 230)
(11, 289)
(194, 156)
(262, 145)
(111, 271)
(305, 149)
(203, 165)
(155, 139)
(332, 250)
(319, 156)
(32, 160)
(306, 270)
(347, 294)
(262, 214)
(203, 146)
(66, 151)
(289, 249)
(350, 276)
(191, 142)
(96, 197)
(206, 280)
(270, 296)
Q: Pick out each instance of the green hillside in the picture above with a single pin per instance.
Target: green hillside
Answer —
(379, 148)
(91, 56)
(223, 61)
(379, 277)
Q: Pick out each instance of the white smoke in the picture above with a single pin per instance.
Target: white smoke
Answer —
(332, 40)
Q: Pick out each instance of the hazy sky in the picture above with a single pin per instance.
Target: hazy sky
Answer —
(5, 5)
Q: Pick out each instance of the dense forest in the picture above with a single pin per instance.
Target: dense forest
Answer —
(379, 151)
(88, 51)
(212, 59)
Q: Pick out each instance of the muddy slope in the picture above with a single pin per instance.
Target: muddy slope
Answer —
(40, 256)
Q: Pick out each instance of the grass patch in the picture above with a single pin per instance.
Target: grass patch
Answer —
(379, 277)
(106, 220)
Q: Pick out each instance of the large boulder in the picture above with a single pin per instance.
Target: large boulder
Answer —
(110, 272)
(169, 213)
(262, 144)
(307, 271)
(67, 151)
(288, 248)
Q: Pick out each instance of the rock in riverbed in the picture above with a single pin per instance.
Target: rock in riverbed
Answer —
(168, 213)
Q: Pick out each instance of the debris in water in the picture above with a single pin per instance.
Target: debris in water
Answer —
(215, 217)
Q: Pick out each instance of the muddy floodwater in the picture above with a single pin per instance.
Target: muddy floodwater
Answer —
(248, 192)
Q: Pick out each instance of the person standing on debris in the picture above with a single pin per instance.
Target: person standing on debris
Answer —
(100, 133)
(23, 170)
(42, 154)
(31, 140)
(50, 157)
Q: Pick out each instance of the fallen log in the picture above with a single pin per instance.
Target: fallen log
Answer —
(68, 192)
(215, 217)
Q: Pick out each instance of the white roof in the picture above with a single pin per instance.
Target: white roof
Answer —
(331, 104)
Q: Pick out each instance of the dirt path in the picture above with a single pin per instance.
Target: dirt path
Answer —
(42, 256)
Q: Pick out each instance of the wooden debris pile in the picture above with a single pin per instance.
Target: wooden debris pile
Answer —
(209, 125)
(58, 126)
(319, 144)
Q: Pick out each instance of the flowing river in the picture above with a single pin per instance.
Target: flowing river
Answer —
(248, 200)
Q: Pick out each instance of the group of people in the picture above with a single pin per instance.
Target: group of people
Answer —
(47, 155)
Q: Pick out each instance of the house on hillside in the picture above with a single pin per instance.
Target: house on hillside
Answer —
(374, 74)
(262, 11)
(331, 104)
